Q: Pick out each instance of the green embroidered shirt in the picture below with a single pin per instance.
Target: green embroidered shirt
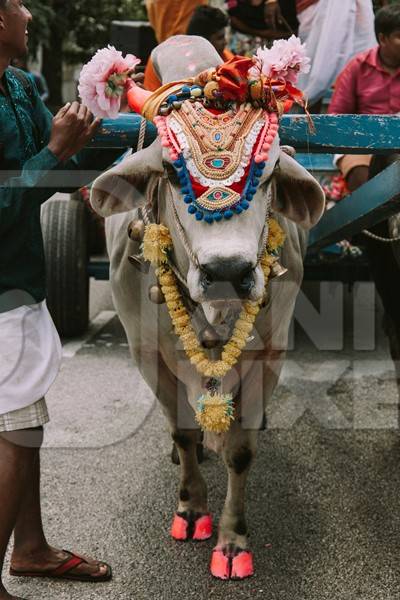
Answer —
(30, 174)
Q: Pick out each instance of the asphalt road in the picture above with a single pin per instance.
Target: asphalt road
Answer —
(323, 497)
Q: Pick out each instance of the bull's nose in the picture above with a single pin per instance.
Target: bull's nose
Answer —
(227, 278)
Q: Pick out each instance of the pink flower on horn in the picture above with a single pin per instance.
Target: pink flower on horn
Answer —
(103, 81)
(285, 60)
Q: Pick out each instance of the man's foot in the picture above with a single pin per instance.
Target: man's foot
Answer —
(58, 564)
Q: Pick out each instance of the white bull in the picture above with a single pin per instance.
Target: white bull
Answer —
(224, 251)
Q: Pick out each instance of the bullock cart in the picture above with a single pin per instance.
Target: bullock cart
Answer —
(65, 222)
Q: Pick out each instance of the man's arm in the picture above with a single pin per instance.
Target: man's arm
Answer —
(56, 167)
(344, 100)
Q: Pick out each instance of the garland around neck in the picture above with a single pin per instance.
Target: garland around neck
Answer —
(215, 411)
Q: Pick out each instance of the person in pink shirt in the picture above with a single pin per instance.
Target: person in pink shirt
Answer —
(370, 84)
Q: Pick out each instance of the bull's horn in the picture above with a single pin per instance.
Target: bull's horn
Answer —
(137, 98)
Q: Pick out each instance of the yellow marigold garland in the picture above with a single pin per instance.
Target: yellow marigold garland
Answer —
(215, 411)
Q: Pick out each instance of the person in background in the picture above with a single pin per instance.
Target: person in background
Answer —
(207, 22)
(251, 25)
(334, 31)
(370, 85)
(211, 23)
(171, 17)
(37, 78)
(278, 12)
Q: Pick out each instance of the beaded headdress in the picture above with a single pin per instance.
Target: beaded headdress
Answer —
(220, 125)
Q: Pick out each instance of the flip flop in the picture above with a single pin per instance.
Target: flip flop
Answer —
(63, 571)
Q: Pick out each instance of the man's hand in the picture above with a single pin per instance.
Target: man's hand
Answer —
(272, 14)
(73, 127)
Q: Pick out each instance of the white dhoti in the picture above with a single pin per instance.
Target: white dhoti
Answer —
(334, 31)
(30, 356)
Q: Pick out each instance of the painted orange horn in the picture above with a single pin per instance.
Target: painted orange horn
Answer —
(137, 98)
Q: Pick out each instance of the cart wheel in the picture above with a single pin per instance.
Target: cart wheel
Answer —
(64, 225)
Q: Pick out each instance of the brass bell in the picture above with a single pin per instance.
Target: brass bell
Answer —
(155, 295)
(277, 270)
(139, 263)
(209, 338)
(136, 230)
(210, 88)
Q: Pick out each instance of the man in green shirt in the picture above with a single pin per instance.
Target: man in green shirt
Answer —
(37, 152)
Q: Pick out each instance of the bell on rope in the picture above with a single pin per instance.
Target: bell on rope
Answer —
(136, 230)
(277, 270)
(155, 295)
(209, 338)
(139, 263)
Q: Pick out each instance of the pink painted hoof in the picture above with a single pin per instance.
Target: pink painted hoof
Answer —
(220, 565)
(203, 528)
(242, 565)
(191, 526)
(179, 529)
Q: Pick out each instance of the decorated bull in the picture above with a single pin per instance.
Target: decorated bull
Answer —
(215, 212)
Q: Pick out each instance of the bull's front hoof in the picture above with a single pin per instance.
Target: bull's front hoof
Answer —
(191, 526)
(231, 563)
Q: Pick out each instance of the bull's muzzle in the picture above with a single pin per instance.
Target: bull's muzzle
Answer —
(227, 279)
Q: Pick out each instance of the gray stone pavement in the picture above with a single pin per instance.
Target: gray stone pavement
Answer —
(323, 496)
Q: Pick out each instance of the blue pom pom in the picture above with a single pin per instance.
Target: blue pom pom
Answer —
(185, 190)
(185, 90)
(255, 182)
(199, 215)
(218, 216)
(172, 98)
(192, 209)
(178, 163)
(252, 189)
(249, 195)
(209, 218)
(228, 214)
(188, 199)
(238, 209)
(258, 172)
(182, 176)
(244, 204)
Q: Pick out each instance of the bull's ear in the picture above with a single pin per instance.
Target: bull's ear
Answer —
(299, 196)
(124, 186)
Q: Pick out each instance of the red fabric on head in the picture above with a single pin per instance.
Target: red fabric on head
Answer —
(232, 78)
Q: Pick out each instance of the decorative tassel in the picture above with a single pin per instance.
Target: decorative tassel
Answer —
(215, 412)
(157, 241)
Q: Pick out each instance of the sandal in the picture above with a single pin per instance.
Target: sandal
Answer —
(63, 571)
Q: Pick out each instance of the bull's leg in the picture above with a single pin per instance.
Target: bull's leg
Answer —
(231, 558)
(192, 520)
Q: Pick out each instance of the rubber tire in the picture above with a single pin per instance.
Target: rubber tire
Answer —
(64, 225)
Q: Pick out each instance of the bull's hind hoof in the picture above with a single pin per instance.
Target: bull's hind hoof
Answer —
(191, 526)
(231, 563)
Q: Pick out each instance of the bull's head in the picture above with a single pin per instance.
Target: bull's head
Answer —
(220, 261)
